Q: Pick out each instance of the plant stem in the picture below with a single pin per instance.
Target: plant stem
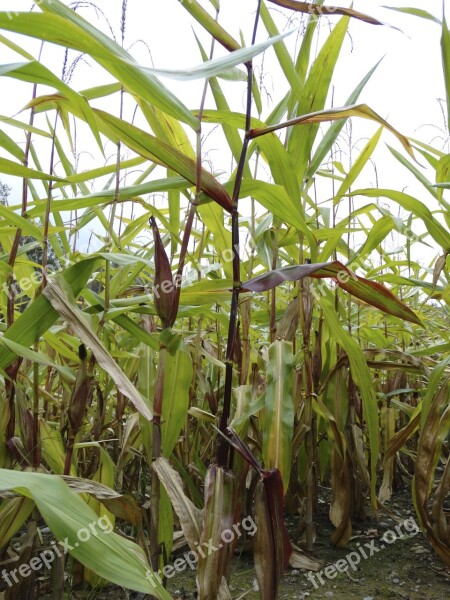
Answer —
(156, 449)
(16, 242)
(223, 452)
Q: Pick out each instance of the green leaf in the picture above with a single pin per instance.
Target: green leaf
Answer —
(39, 358)
(211, 25)
(409, 203)
(40, 315)
(359, 164)
(445, 47)
(160, 152)
(11, 168)
(278, 425)
(414, 170)
(314, 95)
(108, 554)
(213, 217)
(378, 232)
(275, 199)
(63, 26)
(416, 12)
(24, 126)
(10, 145)
(26, 226)
(232, 136)
(331, 135)
(217, 66)
(35, 72)
(13, 514)
(283, 56)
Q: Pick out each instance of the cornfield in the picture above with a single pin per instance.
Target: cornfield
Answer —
(202, 319)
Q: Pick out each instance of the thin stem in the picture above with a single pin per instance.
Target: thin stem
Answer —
(17, 237)
(48, 208)
(223, 452)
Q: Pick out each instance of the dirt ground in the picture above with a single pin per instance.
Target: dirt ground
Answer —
(400, 564)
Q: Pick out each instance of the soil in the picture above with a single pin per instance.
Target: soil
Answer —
(400, 566)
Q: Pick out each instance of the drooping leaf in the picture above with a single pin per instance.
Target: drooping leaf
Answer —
(369, 291)
(162, 153)
(61, 25)
(111, 556)
(40, 315)
(57, 293)
(217, 66)
(272, 547)
(36, 72)
(189, 515)
(332, 114)
(321, 9)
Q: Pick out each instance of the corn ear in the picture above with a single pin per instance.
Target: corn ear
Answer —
(165, 301)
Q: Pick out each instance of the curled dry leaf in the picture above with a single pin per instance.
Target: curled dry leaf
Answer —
(189, 515)
(272, 549)
(369, 291)
(300, 560)
(434, 431)
(217, 517)
(319, 9)
(58, 294)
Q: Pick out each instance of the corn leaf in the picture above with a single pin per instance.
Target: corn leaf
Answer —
(40, 315)
(111, 556)
(217, 66)
(369, 291)
(58, 293)
(63, 26)
(279, 410)
(320, 9)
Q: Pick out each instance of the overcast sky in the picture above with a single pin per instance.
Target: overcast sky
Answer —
(405, 89)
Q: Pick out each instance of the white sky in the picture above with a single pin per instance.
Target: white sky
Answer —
(404, 90)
